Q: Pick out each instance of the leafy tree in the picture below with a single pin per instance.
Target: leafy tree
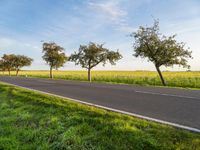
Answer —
(8, 61)
(54, 56)
(161, 50)
(93, 54)
(2, 67)
(20, 61)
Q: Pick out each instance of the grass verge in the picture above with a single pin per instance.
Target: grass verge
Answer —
(30, 120)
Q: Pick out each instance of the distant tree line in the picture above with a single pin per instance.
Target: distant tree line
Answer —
(148, 43)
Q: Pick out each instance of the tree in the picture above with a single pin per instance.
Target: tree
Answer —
(2, 67)
(8, 61)
(92, 55)
(161, 50)
(54, 56)
(20, 61)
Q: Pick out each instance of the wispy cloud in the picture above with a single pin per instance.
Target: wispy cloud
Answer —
(112, 11)
(23, 24)
(109, 9)
(182, 27)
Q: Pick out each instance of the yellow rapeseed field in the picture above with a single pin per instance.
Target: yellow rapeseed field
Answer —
(174, 79)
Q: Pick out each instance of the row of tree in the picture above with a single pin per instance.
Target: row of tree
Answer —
(148, 43)
(14, 62)
(88, 56)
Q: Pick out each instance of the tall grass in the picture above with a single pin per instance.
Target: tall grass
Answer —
(174, 79)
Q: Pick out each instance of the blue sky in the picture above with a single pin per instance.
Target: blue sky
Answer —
(24, 24)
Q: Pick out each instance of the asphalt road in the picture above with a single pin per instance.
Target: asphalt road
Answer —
(180, 106)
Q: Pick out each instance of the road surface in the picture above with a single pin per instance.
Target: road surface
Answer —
(179, 106)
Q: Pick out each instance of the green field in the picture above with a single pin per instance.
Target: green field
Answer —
(29, 120)
(173, 79)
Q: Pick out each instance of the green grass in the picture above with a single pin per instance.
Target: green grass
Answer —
(173, 79)
(30, 120)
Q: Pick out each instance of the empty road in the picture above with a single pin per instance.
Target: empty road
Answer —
(179, 106)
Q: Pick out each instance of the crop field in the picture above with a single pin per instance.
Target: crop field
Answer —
(173, 79)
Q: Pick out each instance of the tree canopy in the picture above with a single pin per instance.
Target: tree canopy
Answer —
(161, 50)
(14, 62)
(7, 61)
(54, 56)
(2, 67)
(20, 61)
(89, 56)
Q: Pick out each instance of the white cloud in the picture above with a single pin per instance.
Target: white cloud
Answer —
(111, 11)
(109, 21)
(182, 27)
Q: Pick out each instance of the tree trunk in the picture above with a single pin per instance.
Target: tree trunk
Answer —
(89, 75)
(51, 73)
(9, 72)
(161, 77)
(17, 71)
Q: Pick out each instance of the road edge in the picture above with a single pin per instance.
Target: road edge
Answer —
(113, 109)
